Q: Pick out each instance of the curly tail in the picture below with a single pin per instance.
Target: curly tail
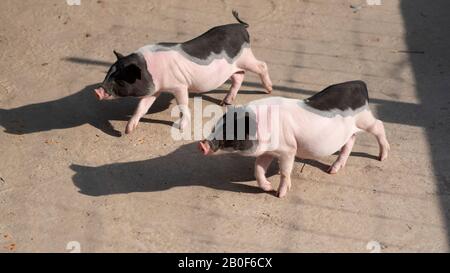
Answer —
(236, 15)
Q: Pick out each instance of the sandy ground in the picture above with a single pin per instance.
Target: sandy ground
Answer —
(67, 174)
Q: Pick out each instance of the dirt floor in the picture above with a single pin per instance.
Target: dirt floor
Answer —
(68, 174)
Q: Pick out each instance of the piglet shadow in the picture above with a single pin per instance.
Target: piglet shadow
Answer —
(324, 167)
(366, 155)
(314, 163)
(75, 110)
(185, 166)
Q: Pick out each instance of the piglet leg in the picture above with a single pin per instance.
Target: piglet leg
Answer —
(261, 164)
(142, 109)
(286, 163)
(236, 82)
(367, 122)
(250, 63)
(343, 156)
(182, 98)
(378, 131)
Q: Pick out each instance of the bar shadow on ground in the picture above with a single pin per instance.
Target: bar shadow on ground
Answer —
(426, 24)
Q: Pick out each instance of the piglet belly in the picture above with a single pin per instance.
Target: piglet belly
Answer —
(324, 139)
(209, 77)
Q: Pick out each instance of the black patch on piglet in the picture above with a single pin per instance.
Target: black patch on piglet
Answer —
(342, 96)
(129, 76)
(229, 136)
(229, 38)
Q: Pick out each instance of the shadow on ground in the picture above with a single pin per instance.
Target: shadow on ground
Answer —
(427, 26)
(76, 110)
(179, 168)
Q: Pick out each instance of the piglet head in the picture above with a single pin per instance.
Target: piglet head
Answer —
(241, 125)
(128, 76)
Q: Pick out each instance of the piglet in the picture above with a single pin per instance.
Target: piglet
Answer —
(198, 65)
(285, 128)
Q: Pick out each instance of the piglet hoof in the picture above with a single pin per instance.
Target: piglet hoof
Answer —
(128, 130)
(384, 153)
(383, 156)
(131, 126)
(178, 126)
(282, 190)
(268, 86)
(265, 186)
(333, 169)
(281, 193)
(182, 125)
(224, 103)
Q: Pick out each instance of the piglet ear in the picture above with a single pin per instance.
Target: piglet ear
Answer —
(118, 55)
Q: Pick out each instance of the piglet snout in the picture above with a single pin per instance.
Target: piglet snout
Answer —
(204, 147)
(101, 94)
